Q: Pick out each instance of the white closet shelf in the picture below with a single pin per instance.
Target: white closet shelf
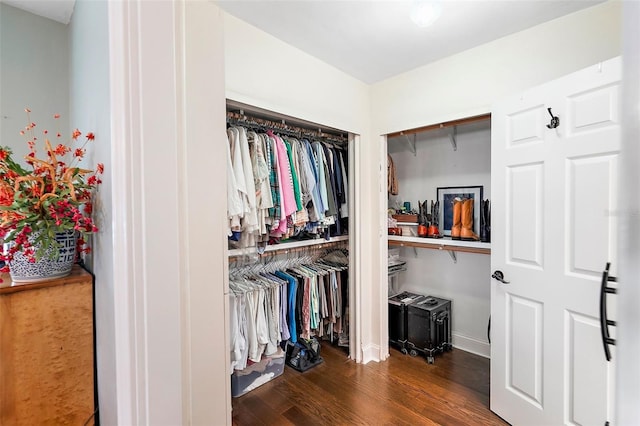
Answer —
(284, 247)
(440, 244)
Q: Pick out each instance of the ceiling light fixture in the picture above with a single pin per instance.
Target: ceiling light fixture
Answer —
(424, 12)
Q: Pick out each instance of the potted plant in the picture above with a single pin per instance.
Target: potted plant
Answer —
(46, 207)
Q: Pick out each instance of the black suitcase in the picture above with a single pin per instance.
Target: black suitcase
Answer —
(429, 327)
(398, 318)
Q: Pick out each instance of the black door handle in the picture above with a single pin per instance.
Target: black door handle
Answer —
(604, 322)
(498, 275)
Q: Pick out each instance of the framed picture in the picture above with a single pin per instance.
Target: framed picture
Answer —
(446, 196)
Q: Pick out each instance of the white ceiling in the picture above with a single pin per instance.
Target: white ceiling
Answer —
(58, 10)
(371, 40)
(375, 40)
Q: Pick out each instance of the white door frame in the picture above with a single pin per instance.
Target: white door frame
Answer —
(355, 254)
(628, 298)
(167, 83)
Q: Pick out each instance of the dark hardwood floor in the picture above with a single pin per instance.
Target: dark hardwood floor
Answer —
(400, 391)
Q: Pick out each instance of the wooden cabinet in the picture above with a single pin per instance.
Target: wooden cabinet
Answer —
(46, 351)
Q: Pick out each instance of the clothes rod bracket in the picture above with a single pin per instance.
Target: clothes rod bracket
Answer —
(453, 255)
(411, 143)
(452, 137)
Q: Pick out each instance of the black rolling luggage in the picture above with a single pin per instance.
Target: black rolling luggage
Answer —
(398, 318)
(429, 327)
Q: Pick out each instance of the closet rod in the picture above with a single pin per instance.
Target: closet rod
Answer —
(442, 125)
(288, 250)
(241, 119)
(272, 116)
(261, 125)
(276, 116)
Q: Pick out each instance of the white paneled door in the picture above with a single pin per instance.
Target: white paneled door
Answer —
(553, 230)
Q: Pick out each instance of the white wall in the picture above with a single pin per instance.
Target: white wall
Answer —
(34, 73)
(465, 283)
(89, 111)
(470, 82)
(265, 72)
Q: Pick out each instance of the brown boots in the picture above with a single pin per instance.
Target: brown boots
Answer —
(462, 228)
(467, 221)
(455, 228)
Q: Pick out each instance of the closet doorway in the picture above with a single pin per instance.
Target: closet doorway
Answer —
(429, 166)
(307, 250)
(432, 166)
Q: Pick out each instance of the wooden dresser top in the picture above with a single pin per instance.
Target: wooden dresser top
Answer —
(78, 275)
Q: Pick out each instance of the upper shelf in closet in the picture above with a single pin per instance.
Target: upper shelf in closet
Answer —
(445, 124)
(410, 136)
(440, 244)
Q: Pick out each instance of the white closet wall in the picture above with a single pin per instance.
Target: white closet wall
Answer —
(265, 72)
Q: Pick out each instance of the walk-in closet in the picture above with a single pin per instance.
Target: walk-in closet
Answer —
(428, 168)
(288, 243)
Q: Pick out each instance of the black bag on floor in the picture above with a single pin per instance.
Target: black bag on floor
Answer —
(304, 354)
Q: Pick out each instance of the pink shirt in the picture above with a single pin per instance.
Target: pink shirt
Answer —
(288, 200)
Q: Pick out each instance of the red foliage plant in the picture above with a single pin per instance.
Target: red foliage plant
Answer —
(47, 197)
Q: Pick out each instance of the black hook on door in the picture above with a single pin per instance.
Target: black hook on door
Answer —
(555, 120)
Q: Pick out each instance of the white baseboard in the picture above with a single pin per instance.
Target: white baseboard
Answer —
(375, 353)
(472, 345)
(371, 352)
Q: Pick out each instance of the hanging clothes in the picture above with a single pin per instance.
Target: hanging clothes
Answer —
(294, 176)
(344, 204)
(300, 300)
(283, 187)
(275, 213)
(392, 181)
(286, 183)
(260, 169)
(238, 178)
(235, 206)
